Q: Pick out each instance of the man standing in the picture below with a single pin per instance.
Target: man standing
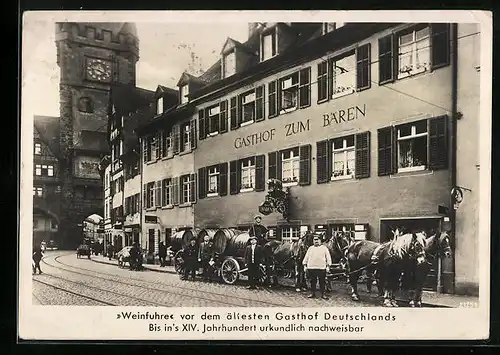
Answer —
(162, 254)
(258, 230)
(300, 276)
(316, 261)
(253, 257)
(111, 251)
(37, 256)
(189, 255)
(205, 254)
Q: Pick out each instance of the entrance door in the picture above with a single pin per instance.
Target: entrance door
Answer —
(430, 225)
(151, 241)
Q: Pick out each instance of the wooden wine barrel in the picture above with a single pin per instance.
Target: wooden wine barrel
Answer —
(203, 233)
(221, 238)
(236, 245)
(177, 241)
(191, 233)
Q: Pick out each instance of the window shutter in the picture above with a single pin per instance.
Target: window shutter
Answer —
(440, 45)
(272, 96)
(193, 133)
(176, 139)
(385, 151)
(259, 104)
(222, 179)
(175, 191)
(363, 79)
(386, 59)
(192, 182)
(234, 113)
(305, 165)
(260, 172)
(362, 155)
(182, 128)
(272, 165)
(158, 194)
(322, 162)
(438, 147)
(159, 145)
(278, 97)
(223, 117)
(330, 79)
(322, 82)
(305, 87)
(145, 149)
(202, 183)
(201, 124)
(163, 189)
(145, 195)
(239, 109)
(233, 177)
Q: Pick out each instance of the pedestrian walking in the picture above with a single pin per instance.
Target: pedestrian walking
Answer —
(190, 259)
(162, 253)
(316, 261)
(111, 250)
(205, 254)
(134, 251)
(253, 257)
(37, 257)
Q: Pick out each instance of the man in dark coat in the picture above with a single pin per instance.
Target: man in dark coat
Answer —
(37, 256)
(190, 256)
(134, 252)
(205, 254)
(162, 253)
(259, 231)
(253, 257)
(111, 251)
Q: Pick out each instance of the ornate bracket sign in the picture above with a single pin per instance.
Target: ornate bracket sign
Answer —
(276, 199)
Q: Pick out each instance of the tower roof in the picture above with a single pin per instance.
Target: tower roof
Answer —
(115, 27)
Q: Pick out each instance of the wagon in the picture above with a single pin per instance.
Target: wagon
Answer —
(176, 244)
(123, 256)
(83, 250)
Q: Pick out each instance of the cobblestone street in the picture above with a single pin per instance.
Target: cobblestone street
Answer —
(67, 280)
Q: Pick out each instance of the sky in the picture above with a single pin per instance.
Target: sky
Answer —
(165, 50)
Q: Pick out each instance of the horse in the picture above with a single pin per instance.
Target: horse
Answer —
(396, 256)
(414, 277)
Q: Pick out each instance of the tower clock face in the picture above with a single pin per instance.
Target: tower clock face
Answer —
(98, 69)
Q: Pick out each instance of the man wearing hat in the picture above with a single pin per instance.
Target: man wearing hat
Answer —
(259, 231)
(190, 259)
(253, 257)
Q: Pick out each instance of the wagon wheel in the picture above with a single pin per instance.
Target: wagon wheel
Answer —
(230, 271)
(262, 274)
(179, 262)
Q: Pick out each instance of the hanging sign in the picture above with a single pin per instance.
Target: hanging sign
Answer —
(266, 208)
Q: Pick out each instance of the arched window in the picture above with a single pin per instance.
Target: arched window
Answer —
(85, 105)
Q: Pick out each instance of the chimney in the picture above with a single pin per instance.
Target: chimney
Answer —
(254, 27)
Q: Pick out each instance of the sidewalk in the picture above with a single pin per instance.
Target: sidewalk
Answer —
(430, 298)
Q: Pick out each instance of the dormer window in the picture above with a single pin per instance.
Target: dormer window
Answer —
(331, 26)
(184, 92)
(268, 45)
(229, 64)
(159, 106)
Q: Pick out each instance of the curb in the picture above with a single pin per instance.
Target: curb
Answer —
(425, 304)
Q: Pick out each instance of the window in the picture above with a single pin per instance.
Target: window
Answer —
(213, 120)
(213, 181)
(331, 26)
(414, 52)
(343, 228)
(186, 137)
(167, 144)
(187, 185)
(150, 195)
(344, 75)
(247, 174)
(184, 92)
(343, 157)
(44, 170)
(159, 106)
(229, 64)
(289, 93)
(38, 148)
(268, 45)
(167, 195)
(412, 146)
(290, 234)
(248, 102)
(419, 48)
(290, 166)
(38, 191)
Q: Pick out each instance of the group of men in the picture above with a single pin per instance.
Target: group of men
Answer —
(194, 255)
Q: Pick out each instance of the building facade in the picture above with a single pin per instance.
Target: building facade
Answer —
(91, 57)
(360, 122)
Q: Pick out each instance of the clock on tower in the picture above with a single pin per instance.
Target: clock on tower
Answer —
(98, 69)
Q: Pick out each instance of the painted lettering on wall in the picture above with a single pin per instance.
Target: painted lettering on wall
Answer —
(341, 116)
(255, 138)
(296, 127)
(87, 167)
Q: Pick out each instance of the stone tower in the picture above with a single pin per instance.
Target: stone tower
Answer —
(91, 57)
